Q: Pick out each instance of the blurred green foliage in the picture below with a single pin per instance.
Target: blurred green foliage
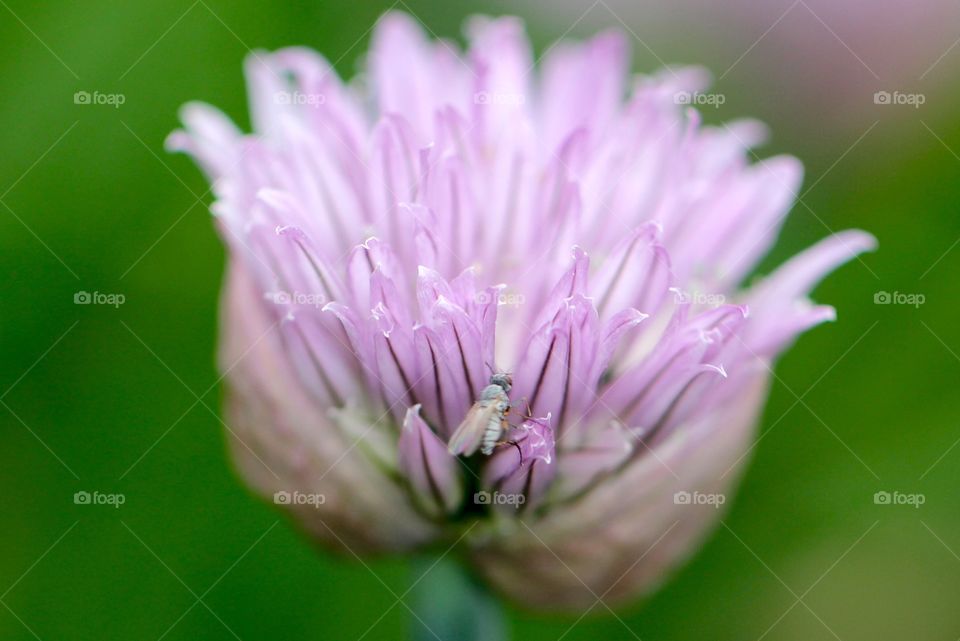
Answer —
(98, 398)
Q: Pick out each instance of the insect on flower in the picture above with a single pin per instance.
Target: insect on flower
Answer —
(486, 421)
(402, 202)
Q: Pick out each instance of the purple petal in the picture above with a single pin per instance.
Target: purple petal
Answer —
(526, 466)
(636, 274)
(431, 470)
(779, 302)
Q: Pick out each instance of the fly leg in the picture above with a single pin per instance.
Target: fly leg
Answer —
(516, 445)
(505, 424)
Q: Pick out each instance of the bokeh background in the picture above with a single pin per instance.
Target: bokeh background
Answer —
(126, 399)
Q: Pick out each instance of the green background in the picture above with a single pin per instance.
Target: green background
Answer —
(98, 398)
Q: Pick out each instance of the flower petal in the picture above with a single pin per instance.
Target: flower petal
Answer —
(431, 470)
(524, 467)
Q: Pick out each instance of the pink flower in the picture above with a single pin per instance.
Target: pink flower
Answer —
(552, 256)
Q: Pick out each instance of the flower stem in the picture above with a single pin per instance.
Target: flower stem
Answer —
(449, 604)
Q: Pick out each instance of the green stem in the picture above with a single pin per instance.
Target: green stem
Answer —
(450, 605)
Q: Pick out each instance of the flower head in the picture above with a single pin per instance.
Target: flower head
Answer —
(470, 297)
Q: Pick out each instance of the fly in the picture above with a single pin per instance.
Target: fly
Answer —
(486, 421)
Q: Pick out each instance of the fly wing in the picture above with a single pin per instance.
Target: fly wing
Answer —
(469, 435)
